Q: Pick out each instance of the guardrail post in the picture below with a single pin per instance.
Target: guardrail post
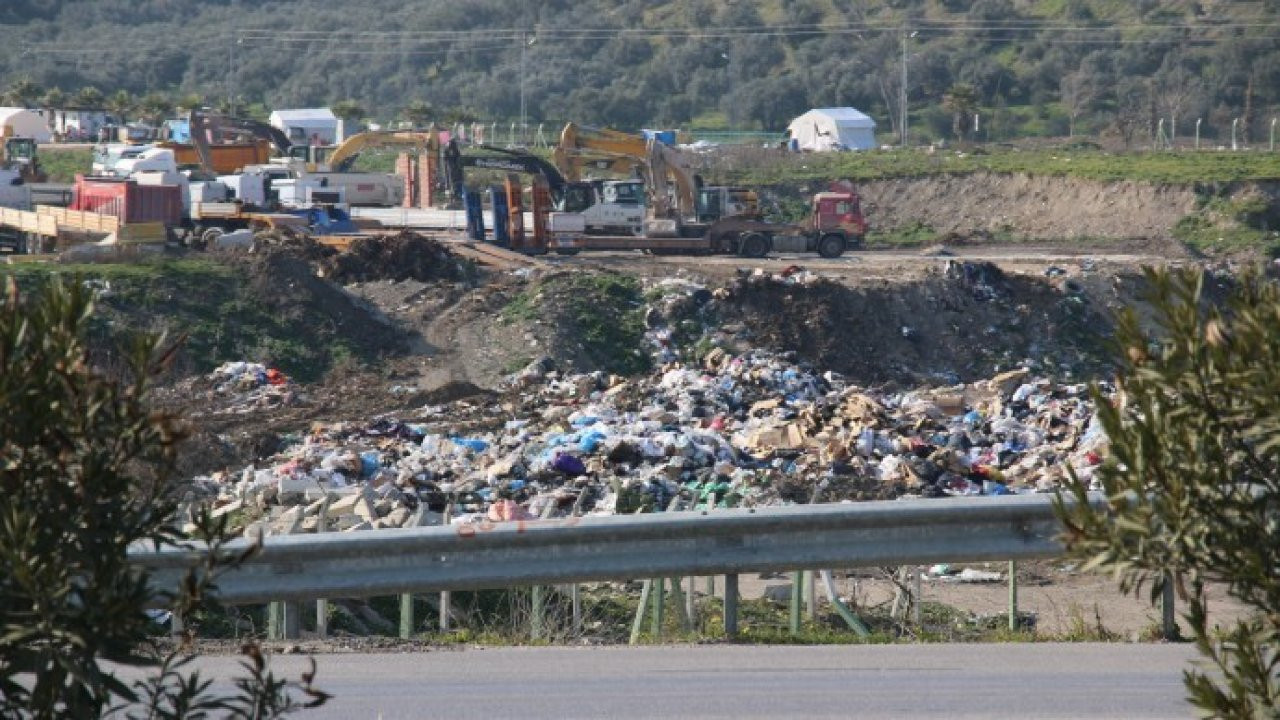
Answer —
(1168, 620)
(917, 601)
(538, 613)
(640, 610)
(322, 618)
(322, 605)
(1013, 595)
(691, 603)
(446, 597)
(797, 592)
(176, 626)
(575, 599)
(406, 616)
(291, 620)
(731, 606)
(273, 621)
(659, 601)
(682, 609)
(811, 595)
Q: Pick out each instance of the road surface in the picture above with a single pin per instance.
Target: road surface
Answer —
(1041, 680)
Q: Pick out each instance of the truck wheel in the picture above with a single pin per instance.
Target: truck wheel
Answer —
(831, 246)
(209, 237)
(753, 245)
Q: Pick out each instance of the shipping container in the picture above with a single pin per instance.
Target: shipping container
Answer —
(129, 201)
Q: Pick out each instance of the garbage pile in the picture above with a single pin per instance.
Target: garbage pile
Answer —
(249, 387)
(748, 429)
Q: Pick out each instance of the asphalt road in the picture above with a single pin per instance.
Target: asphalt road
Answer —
(1039, 680)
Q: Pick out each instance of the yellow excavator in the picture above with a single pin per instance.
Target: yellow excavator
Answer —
(341, 157)
(601, 148)
(583, 146)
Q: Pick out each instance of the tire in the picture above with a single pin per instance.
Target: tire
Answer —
(831, 246)
(753, 245)
(210, 236)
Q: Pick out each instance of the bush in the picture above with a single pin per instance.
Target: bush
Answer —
(1192, 479)
(85, 473)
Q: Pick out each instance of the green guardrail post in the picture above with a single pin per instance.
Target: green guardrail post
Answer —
(638, 622)
(406, 616)
(731, 606)
(1013, 595)
(797, 592)
(659, 602)
(537, 623)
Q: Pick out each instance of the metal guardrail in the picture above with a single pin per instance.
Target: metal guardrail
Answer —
(470, 557)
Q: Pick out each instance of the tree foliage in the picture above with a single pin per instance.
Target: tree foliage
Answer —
(805, 54)
(1192, 480)
(86, 473)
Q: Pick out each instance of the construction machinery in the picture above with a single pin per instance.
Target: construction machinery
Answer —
(19, 155)
(582, 147)
(340, 158)
(601, 148)
(223, 144)
(682, 217)
(219, 145)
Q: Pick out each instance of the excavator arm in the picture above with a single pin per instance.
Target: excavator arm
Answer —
(505, 160)
(581, 145)
(666, 168)
(345, 154)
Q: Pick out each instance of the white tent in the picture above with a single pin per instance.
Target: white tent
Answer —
(833, 129)
(25, 123)
(318, 125)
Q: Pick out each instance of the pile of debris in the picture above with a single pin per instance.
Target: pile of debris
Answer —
(401, 256)
(246, 387)
(747, 429)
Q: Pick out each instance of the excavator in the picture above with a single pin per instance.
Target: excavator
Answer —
(614, 151)
(678, 208)
(601, 148)
(341, 158)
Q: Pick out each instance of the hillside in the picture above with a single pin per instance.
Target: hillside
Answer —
(1057, 67)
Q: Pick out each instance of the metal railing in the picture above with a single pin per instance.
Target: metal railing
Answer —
(293, 568)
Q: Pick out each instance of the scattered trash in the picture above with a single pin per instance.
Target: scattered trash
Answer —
(748, 429)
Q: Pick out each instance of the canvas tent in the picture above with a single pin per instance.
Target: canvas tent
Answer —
(25, 123)
(317, 126)
(833, 129)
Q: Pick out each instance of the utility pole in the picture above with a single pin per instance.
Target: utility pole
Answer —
(902, 99)
(523, 45)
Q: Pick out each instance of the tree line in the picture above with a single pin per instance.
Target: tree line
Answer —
(985, 69)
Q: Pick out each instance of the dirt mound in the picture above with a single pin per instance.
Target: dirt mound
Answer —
(1039, 207)
(287, 289)
(403, 256)
(959, 324)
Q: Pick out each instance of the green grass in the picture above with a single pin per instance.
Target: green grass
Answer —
(1187, 167)
(602, 312)
(63, 164)
(224, 321)
(1229, 224)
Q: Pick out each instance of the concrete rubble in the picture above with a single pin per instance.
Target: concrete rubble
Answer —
(734, 429)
